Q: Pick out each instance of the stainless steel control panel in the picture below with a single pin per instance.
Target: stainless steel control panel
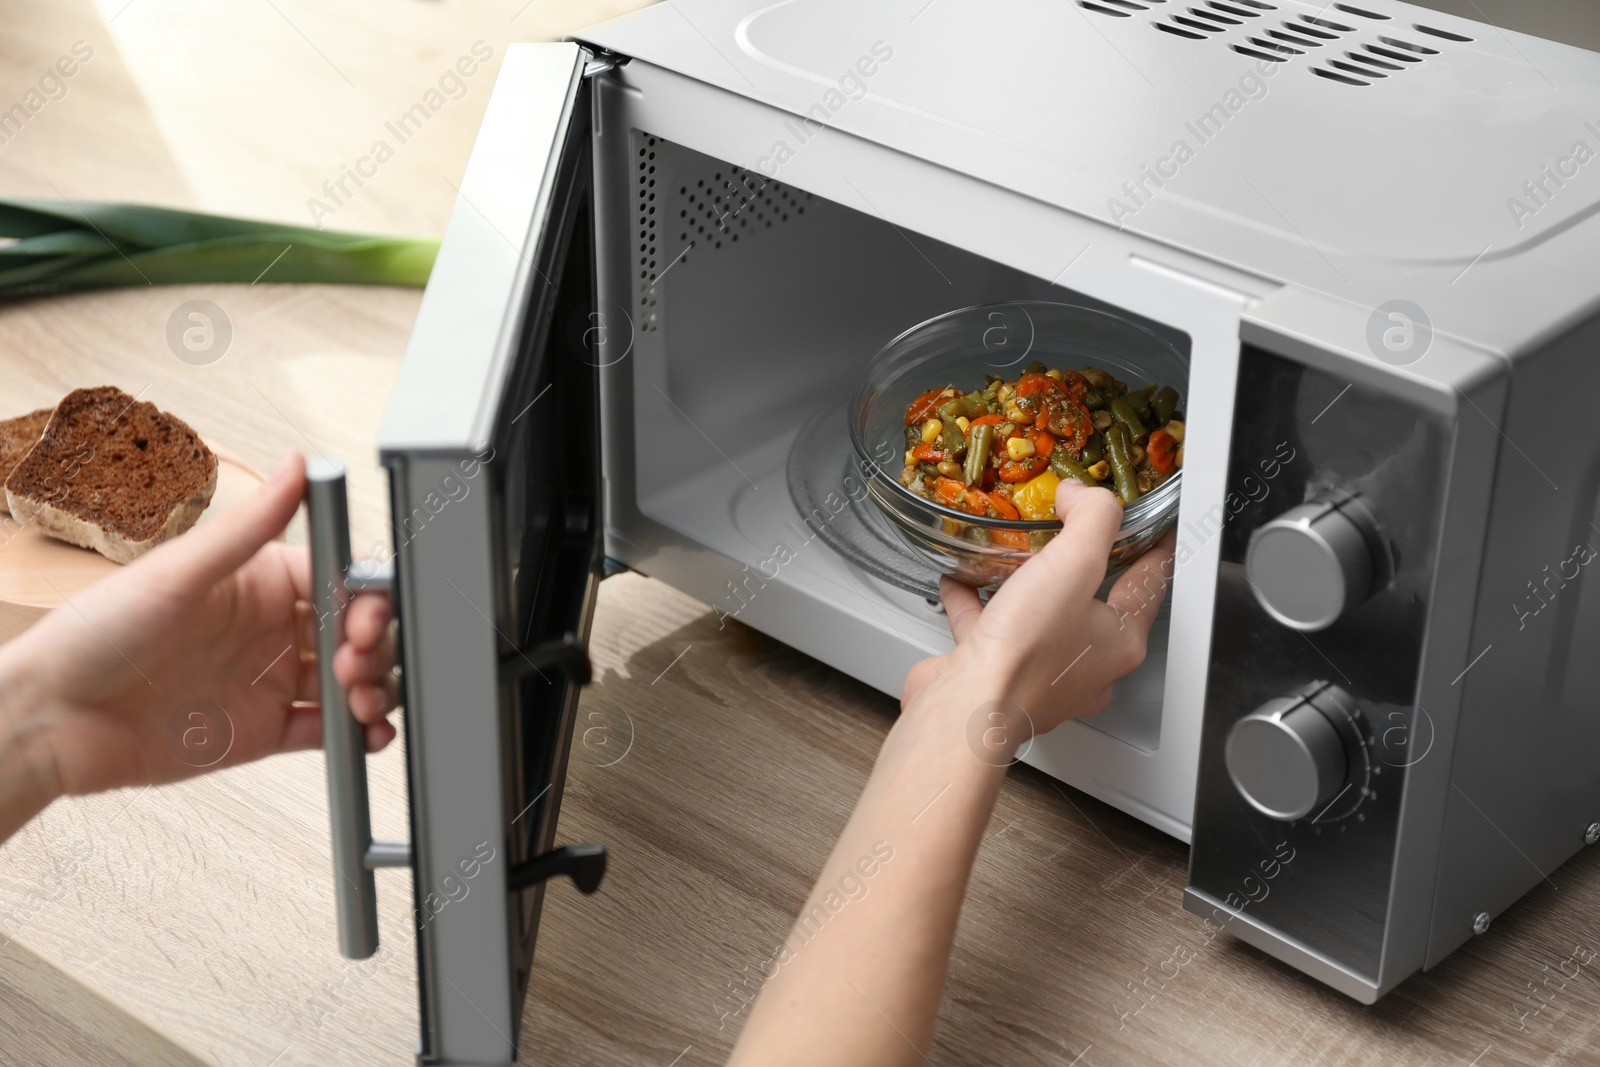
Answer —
(1310, 721)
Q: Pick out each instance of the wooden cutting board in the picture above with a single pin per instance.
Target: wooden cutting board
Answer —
(37, 571)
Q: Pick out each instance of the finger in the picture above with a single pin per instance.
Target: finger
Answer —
(379, 735)
(371, 703)
(1138, 593)
(354, 667)
(1090, 518)
(1073, 564)
(213, 550)
(962, 606)
(367, 620)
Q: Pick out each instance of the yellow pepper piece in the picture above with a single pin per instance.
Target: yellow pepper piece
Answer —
(1036, 498)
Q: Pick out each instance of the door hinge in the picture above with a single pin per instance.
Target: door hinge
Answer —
(603, 62)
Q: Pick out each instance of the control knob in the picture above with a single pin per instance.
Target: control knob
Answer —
(1313, 563)
(1287, 758)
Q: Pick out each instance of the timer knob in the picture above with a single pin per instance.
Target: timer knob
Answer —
(1287, 758)
(1314, 562)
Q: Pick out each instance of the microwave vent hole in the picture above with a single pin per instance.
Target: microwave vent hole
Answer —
(716, 204)
(1244, 26)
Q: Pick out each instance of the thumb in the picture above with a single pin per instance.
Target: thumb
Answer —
(213, 550)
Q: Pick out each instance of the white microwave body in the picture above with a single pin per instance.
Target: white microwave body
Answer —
(700, 221)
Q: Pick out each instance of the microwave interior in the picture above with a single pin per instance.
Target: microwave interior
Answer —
(738, 313)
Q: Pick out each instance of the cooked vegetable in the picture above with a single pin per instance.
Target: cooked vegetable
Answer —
(973, 501)
(968, 405)
(978, 452)
(955, 438)
(926, 406)
(1123, 411)
(1164, 403)
(1000, 452)
(1163, 452)
(1122, 473)
(1067, 467)
(1036, 499)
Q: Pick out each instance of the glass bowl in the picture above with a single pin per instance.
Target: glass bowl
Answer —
(959, 348)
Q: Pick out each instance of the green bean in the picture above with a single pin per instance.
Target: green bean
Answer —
(1124, 413)
(971, 406)
(1123, 475)
(1035, 367)
(955, 440)
(1163, 404)
(976, 534)
(1094, 399)
(914, 435)
(1039, 538)
(978, 452)
(1139, 400)
(1094, 449)
(1067, 467)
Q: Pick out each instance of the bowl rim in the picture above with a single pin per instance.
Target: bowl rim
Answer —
(1137, 512)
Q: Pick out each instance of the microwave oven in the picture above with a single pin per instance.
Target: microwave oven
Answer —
(1368, 227)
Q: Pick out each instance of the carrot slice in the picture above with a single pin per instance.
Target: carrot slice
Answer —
(925, 406)
(1003, 507)
(1163, 451)
(961, 497)
(974, 501)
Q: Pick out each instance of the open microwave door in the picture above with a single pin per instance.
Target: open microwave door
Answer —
(492, 445)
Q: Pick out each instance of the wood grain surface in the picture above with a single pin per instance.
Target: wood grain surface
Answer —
(193, 924)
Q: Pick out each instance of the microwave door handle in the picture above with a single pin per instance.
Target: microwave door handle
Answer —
(334, 581)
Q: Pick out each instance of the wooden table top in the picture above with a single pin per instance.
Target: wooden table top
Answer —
(193, 924)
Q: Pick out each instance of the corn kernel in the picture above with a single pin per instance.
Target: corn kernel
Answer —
(911, 460)
(931, 431)
(963, 422)
(1053, 373)
(1016, 414)
(1179, 458)
(1100, 471)
(1175, 428)
(1019, 448)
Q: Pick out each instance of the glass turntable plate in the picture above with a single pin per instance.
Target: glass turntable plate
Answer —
(823, 468)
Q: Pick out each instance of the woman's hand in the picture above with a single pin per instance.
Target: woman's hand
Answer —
(1044, 643)
(1043, 651)
(188, 659)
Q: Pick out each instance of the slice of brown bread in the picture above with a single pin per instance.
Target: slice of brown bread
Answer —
(17, 438)
(113, 474)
